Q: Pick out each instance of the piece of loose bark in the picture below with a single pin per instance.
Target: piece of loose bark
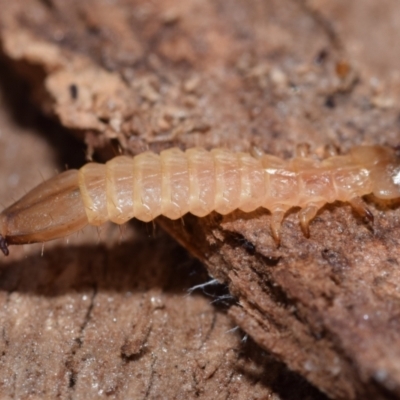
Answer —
(237, 74)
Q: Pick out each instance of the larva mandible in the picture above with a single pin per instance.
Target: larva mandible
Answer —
(174, 183)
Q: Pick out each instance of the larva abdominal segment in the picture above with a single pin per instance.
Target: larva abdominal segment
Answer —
(197, 181)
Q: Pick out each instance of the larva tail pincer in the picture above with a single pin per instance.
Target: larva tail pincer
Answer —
(174, 183)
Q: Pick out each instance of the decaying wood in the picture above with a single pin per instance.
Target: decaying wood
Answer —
(240, 73)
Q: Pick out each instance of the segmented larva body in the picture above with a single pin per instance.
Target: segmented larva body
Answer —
(174, 183)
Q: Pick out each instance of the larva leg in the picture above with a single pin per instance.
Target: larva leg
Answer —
(303, 150)
(278, 214)
(330, 151)
(306, 215)
(361, 209)
(256, 152)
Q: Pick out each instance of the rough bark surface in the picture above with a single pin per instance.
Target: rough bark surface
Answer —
(130, 75)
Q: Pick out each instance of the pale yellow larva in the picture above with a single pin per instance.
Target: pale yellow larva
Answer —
(197, 181)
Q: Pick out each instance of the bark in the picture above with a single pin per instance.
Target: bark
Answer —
(131, 75)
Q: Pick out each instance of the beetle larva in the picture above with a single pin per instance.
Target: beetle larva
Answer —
(197, 181)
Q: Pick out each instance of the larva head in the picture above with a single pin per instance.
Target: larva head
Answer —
(386, 181)
(384, 166)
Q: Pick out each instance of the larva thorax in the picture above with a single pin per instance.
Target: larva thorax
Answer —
(198, 181)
